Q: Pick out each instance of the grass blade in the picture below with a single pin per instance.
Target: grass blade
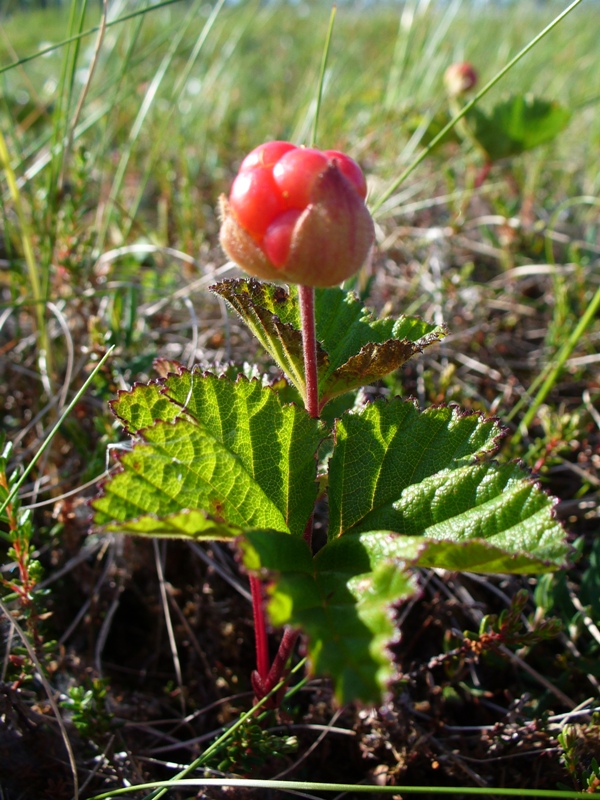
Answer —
(46, 443)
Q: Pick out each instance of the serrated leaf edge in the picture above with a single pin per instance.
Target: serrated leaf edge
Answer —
(458, 413)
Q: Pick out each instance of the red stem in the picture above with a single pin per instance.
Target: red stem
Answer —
(260, 628)
(306, 295)
(286, 646)
(268, 678)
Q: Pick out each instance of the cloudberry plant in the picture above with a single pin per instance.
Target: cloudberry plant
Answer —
(216, 458)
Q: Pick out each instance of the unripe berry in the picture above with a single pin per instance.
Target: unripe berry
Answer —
(460, 78)
(298, 215)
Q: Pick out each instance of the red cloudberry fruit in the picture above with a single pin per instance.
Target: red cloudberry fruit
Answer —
(297, 214)
(278, 237)
(256, 200)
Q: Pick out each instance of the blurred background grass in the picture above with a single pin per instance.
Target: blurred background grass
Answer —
(128, 137)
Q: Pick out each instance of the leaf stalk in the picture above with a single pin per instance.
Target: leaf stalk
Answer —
(260, 629)
(264, 679)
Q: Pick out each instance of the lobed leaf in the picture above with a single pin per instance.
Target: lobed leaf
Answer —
(386, 447)
(232, 453)
(143, 405)
(354, 348)
(517, 124)
(345, 606)
(273, 316)
(419, 475)
(361, 348)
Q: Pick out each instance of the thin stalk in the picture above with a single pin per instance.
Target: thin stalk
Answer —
(260, 629)
(286, 646)
(306, 296)
(270, 677)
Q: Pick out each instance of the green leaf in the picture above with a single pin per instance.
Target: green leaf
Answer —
(361, 348)
(519, 123)
(420, 475)
(345, 606)
(146, 403)
(385, 447)
(354, 348)
(188, 524)
(273, 316)
(217, 458)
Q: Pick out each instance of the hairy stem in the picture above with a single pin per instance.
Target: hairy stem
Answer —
(260, 629)
(276, 673)
(268, 678)
(306, 295)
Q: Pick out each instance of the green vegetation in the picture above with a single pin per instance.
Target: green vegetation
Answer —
(114, 149)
